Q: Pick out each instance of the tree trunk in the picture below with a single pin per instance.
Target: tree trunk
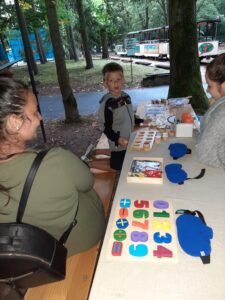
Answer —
(164, 6)
(84, 36)
(4, 48)
(104, 42)
(71, 42)
(185, 76)
(146, 17)
(40, 47)
(25, 36)
(69, 101)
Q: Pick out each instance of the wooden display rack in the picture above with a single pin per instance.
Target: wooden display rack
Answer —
(143, 140)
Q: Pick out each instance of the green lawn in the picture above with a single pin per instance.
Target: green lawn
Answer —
(81, 76)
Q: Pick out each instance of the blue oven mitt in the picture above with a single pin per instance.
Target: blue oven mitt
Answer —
(194, 235)
(176, 174)
(178, 150)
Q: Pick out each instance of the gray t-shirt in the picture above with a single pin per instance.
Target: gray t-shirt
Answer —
(210, 144)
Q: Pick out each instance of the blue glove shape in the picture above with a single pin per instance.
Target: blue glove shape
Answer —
(178, 150)
(175, 173)
(194, 236)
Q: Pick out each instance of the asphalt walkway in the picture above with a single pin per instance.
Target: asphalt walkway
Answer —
(88, 103)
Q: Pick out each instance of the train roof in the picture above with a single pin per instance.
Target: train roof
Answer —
(156, 28)
(167, 27)
(149, 29)
(208, 21)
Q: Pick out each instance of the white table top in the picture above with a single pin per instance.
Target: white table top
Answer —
(189, 279)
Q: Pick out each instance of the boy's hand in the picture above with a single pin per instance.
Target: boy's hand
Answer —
(122, 141)
(145, 123)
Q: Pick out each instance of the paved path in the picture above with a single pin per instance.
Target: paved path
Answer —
(88, 103)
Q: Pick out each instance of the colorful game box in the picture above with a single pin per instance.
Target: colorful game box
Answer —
(143, 230)
(143, 141)
(146, 170)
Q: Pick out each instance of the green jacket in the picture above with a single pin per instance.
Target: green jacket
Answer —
(61, 182)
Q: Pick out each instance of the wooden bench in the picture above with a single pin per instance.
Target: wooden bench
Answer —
(80, 267)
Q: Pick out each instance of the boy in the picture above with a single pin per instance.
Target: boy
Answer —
(116, 112)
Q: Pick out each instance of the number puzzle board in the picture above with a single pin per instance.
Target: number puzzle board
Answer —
(146, 170)
(144, 140)
(143, 230)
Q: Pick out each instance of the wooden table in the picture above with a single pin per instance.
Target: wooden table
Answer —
(189, 278)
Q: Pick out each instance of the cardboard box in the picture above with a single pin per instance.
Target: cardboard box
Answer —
(184, 130)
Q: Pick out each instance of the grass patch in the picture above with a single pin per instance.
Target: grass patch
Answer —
(84, 78)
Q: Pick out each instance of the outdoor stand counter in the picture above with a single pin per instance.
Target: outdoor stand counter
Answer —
(189, 278)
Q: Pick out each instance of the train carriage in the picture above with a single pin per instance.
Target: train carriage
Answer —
(154, 42)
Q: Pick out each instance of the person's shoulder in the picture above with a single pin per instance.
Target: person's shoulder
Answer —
(64, 159)
(218, 107)
(126, 97)
(105, 98)
(124, 94)
(59, 154)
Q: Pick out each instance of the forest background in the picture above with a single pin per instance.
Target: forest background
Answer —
(88, 27)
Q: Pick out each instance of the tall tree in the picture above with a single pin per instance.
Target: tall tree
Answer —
(164, 7)
(69, 101)
(25, 35)
(185, 77)
(84, 35)
(70, 35)
(37, 24)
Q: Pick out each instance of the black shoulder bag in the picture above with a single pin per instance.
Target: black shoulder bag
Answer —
(30, 256)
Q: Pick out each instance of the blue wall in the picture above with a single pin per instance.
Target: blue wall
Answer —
(16, 45)
(3, 55)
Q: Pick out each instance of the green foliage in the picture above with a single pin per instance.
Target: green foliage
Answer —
(206, 10)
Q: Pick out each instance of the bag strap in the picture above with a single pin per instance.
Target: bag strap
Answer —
(65, 235)
(28, 184)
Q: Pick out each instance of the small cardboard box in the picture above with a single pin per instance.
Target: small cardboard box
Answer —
(184, 130)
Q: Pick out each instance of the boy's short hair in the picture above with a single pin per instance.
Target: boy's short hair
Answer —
(112, 67)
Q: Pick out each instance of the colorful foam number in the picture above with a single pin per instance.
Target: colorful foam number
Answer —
(140, 213)
(161, 225)
(117, 248)
(122, 223)
(139, 236)
(131, 235)
(142, 225)
(162, 252)
(123, 212)
(141, 203)
(125, 203)
(139, 250)
(120, 235)
(161, 204)
(158, 238)
(162, 214)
